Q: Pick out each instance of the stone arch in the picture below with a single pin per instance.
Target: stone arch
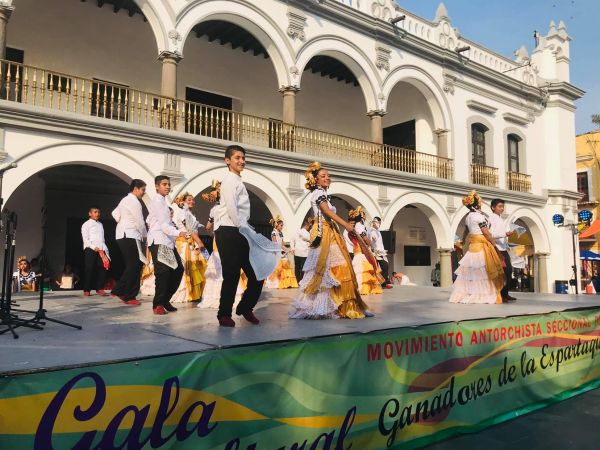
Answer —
(351, 56)
(489, 138)
(252, 19)
(430, 207)
(160, 20)
(427, 85)
(68, 153)
(522, 146)
(535, 223)
(275, 199)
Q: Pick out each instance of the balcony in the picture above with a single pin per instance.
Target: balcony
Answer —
(519, 182)
(484, 175)
(58, 91)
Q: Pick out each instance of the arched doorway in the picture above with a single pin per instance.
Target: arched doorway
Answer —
(60, 198)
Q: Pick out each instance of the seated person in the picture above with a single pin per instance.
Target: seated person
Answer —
(24, 279)
(67, 279)
(401, 279)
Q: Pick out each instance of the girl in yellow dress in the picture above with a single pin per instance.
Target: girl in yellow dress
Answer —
(329, 288)
(284, 276)
(190, 249)
(366, 275)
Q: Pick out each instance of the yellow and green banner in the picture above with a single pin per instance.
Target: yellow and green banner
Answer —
(399, 388)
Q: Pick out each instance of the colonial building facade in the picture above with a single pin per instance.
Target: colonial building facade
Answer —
(408, 115)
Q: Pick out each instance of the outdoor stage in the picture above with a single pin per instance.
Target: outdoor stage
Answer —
(421, 370)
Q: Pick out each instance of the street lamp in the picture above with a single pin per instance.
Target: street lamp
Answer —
(584, 218)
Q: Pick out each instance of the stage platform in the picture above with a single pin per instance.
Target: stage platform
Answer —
(113, 331)
(422, 370)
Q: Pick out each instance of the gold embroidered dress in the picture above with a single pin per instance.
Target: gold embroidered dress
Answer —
(329, 288)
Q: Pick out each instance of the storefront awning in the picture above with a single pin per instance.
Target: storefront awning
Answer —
(588, 255)
(591, 230)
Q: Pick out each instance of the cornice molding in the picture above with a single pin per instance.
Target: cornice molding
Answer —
(65, 124)
(510, 117)
(481, 107)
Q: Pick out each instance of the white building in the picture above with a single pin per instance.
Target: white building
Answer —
(408, 117)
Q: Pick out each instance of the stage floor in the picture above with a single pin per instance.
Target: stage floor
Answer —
(116, 332)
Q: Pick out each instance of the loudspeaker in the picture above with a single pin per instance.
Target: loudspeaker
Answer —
(389, 241)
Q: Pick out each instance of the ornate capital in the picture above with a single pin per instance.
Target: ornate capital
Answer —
(289, 89)
(168, 55)
(376, 113)
(441, 132)
(382, 57)
(172, 167)
(445, 251)
(6, 10)
(449, 81)
(296, 24)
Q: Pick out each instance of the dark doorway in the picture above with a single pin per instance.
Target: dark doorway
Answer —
(401, 139)
(209, 114)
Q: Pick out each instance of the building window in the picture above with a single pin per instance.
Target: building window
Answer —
(417, 255)
(208, 114)
(583, 186)
(513, 152)
(478, 141)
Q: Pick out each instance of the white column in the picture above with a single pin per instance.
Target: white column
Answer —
(445, 267)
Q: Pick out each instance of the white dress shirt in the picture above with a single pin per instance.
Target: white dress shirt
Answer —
(233, 209)
(377, 244)
(161, 229)
(184, 219)
(498, 230)
(92, 233)
(301, 242)
(130, 219)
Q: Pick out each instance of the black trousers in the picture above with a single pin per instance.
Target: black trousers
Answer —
(94, 273)
(507, 274)
(128, 286)
(298, 265)
(385, 268)
(235, 255)
(166, 279)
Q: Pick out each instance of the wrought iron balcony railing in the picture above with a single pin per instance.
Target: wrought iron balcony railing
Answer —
(520, 182)
(484, 175)
(59, 91)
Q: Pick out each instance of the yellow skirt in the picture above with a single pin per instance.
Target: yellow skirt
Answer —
(194, 266)
(346, 295)
(365, 274)
(283, 277)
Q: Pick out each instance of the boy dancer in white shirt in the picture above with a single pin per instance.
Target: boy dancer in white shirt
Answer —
(230, 214)
(500, 235)
(92, 233)
(300, 246)
(131, 229)
(162, 233)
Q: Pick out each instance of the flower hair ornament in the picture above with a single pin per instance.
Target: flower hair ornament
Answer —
(275, 220)
(311, 175)
(358, 213)
(212, 196)
(471, 200)
(22, 258)
(181, 198)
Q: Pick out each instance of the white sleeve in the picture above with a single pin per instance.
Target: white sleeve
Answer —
(497, 227)
(85, 235)
(117, 212)
(229, 197)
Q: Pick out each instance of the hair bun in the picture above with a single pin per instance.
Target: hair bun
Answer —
(311, 175)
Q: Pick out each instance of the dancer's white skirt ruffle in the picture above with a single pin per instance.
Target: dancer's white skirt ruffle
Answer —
(319, 305)
(472, 283)
(211, 295)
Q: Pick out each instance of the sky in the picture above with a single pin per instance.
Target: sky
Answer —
(504, 25)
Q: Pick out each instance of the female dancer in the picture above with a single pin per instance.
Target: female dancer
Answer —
(190, 249)
(214, 275)
(366, 274)
(480, 276)
(283, 277)
(329, 288)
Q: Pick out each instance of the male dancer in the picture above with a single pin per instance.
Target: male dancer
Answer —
(300, 246)
(379, 251)
(94, 254)
(130, 233)
(230, 214)
(162, 233)
(500, 235)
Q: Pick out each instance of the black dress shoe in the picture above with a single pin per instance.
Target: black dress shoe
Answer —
(170, 307)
